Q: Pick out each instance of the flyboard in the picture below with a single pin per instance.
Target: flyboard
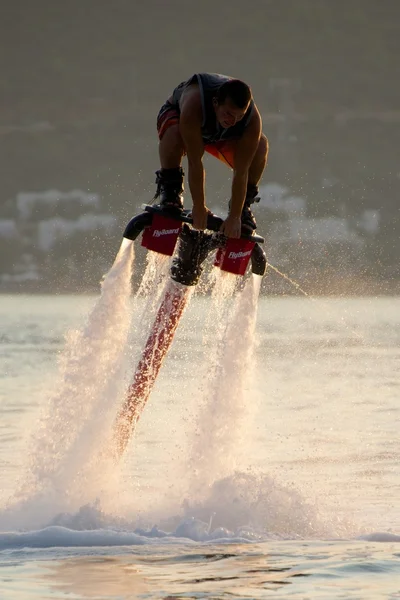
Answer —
(162, 228)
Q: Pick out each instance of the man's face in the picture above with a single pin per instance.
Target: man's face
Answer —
(228, 114)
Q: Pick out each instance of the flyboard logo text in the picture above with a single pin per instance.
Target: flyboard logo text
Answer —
(239, 254)
(160, 232)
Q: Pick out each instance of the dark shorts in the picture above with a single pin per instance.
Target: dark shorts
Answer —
(223, 150)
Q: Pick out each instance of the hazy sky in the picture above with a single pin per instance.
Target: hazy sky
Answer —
(83, 81)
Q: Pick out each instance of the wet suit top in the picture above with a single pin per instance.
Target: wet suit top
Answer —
(211, 129)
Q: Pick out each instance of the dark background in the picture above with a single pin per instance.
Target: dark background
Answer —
(82, 82)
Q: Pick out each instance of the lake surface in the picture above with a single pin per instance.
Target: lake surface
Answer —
(265, 464)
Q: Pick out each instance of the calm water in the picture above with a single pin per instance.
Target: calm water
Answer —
(281, 481)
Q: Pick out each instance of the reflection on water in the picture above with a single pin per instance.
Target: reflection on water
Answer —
(314, 570)
(97, 577)
(157, 576)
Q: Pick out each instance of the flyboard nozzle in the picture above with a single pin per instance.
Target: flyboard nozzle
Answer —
(136, 225)
(258, 261)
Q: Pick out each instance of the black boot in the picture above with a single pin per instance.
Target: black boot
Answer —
(248, 220)
(170, 187)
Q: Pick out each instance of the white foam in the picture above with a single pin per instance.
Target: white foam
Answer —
(222, 420)
(70, 433)
(51, 537)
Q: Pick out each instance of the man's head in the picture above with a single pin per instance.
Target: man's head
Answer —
(231, 102)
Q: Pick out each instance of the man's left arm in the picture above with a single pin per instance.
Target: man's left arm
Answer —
(245, 150)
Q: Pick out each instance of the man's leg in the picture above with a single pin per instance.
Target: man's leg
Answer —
(259, 161)
(171, 150)
(255, 173)
(225, 152)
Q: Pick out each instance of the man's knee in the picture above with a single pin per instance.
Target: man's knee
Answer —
(259, 161)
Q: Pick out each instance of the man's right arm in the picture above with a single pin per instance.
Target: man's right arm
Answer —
(190, 128)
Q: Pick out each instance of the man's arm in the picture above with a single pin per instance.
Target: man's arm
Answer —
(244, 153)
(190, 127)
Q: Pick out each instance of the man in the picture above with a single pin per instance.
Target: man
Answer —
(217, 114)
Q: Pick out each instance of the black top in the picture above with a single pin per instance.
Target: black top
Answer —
(211, 130)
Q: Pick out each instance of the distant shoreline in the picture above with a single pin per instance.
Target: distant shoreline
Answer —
(272, 285)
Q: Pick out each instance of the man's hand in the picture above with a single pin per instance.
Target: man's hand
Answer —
(199, 216)
(232, 227)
